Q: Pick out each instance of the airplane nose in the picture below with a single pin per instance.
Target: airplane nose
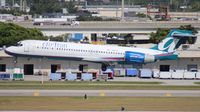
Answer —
(8, 50)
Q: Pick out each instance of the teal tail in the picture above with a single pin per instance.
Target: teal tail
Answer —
(173, 40)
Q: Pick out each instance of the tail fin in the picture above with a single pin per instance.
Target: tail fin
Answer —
(173, 40)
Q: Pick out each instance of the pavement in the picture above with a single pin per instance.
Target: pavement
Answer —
(174, 82)
(115, 24)
(122, 93)
(93, 111)
(109, 27)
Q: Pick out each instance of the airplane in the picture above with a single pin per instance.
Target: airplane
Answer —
(104, 54)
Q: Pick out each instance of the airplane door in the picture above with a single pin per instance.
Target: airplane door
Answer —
(26, 48)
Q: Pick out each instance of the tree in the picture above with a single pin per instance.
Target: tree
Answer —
(194, 31)
(45, 6)
(195, 6)
(113, 35)
(189, 27)
(58, 38)
(159, 35)
(10, 34)
(162, 33)
(89, 18)
(71, 7)
(128, 37)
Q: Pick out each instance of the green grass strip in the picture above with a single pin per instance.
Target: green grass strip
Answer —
(100, 103)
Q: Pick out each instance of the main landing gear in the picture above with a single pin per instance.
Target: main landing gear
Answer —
(104, 67)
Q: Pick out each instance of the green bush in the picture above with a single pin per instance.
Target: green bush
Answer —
(10, 34)
(162, 33)
(88, 17)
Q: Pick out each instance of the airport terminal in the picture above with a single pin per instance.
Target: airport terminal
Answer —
(186, 66)
(187, 63)
(100, 55)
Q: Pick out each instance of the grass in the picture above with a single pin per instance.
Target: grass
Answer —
(196, 82)
(100, 103)
(64, 85)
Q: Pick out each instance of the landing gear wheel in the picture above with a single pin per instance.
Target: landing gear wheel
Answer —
(103, 67)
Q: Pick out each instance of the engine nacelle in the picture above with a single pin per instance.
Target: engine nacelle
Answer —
(138, 57)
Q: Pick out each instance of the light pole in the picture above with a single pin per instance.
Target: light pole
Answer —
(117, 8)
(122, 19)
(13, 2)
(171, 2)
(23, 4)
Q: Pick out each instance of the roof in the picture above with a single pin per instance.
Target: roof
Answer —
(189, 53)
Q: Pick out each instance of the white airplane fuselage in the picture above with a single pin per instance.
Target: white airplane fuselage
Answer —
(105, 54)
(85, 52)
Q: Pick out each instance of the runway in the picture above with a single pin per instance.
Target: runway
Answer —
(90, 111)
(132, 93)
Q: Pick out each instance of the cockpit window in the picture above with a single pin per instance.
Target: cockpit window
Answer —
(18, 44)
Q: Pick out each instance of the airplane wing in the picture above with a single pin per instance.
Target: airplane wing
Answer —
(108, 59)
(93, 59)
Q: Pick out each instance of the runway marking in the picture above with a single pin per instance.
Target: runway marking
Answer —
(168, 94)
(36, 93)
(102, 93)
(153, 93)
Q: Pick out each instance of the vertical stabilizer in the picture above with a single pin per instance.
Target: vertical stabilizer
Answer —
(173, 40)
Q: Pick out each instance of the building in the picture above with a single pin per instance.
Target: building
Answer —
(6, 17)
(115, 12)
(188, 60)
(32, 66)
(76, 1)
(2, 3)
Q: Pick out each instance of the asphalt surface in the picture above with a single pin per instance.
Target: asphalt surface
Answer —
(130, 93)
(175, 82)
(91, 111)
(109, 27)
(115, 24)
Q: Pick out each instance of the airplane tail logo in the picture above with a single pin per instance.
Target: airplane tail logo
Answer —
(173, 40)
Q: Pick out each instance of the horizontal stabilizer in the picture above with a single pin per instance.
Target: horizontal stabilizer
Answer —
(179, 35)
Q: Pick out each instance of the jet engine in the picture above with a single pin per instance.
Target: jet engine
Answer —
(138, 57)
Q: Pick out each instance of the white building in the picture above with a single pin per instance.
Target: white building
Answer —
(6, 17)
(188, 59)
(75, 0)
(3, 3)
